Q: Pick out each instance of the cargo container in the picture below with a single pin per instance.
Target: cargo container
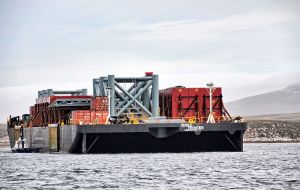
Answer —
(99, 103)
(190, 103)
(80, 117)
(99, 117)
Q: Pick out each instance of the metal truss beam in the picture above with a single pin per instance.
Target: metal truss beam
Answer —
(133, 99)
(141, 97)
(70, 102)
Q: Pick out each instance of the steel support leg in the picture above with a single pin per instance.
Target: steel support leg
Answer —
(83, 150)
(155, 96)
(111, 84)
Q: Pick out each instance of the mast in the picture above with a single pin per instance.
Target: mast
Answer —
(210, 118)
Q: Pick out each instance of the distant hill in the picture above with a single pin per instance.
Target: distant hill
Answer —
(286, 100)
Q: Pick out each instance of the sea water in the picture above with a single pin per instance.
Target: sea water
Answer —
(260, 166)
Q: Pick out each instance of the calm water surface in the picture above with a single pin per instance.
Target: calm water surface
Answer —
(260, 166)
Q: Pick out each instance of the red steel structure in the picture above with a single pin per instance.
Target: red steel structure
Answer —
(176, 102)
(42, 113)
(191, 103)
(45, 111)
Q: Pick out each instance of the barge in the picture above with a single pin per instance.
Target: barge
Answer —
(129, 115)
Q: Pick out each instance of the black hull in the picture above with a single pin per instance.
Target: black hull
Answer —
(145, 143)
(146, 138)
(25, 150)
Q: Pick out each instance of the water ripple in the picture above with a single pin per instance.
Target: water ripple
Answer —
(260, 166)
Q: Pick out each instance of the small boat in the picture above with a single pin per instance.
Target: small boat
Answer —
(21, 145)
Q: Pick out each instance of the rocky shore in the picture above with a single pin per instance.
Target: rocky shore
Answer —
(270, 131)
(4, 141)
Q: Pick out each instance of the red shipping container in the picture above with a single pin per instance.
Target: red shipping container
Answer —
(189, 102)
(99, 103)
(81, 117)
(98, 117)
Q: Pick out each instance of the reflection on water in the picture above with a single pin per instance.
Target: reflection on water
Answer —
(260, 166)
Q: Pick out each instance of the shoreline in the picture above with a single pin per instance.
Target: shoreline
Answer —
(273, 142)
(272, 131)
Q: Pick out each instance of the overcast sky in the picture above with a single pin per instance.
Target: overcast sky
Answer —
(247, 47)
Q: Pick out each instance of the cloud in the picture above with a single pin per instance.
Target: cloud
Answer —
(200, 30)
(235, 44)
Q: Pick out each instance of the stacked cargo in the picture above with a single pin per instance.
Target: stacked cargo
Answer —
(56, 109)
(98, 117)
(180, 102)
(81, 117)
(87, 117)
(99, 103)
(99, 109)
(97, 114)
